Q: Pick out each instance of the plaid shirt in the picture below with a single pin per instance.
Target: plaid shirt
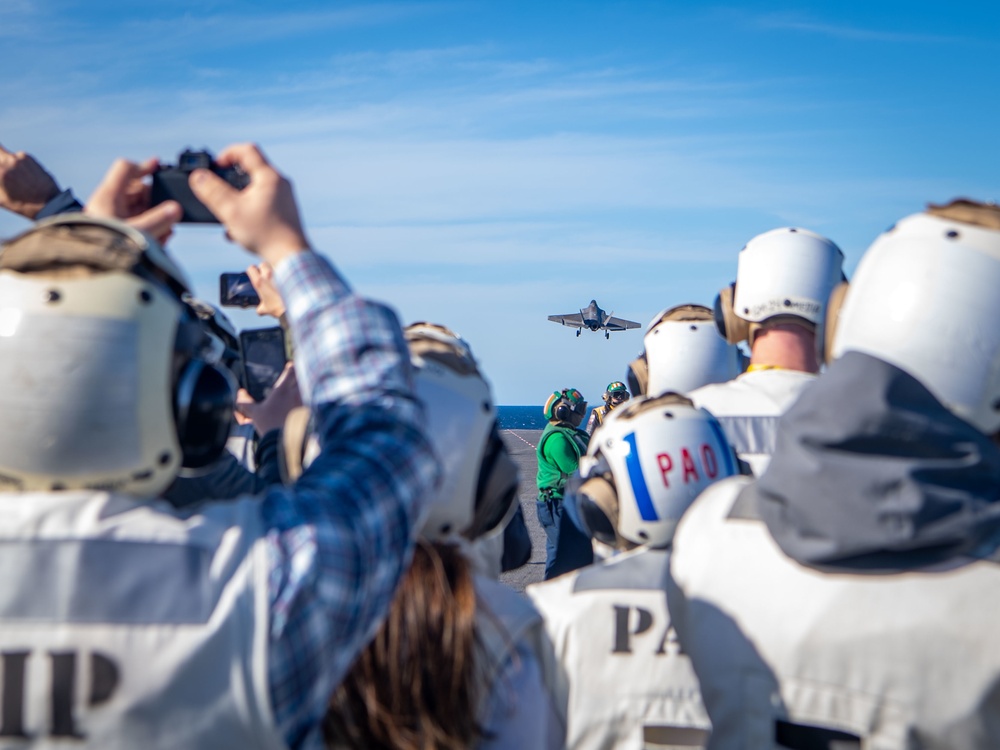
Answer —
(339, 539)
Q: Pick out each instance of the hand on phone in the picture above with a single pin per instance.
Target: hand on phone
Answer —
(270, 413)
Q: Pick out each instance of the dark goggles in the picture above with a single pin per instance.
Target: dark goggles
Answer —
(618, 397)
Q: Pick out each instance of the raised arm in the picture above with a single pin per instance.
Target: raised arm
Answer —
(340, 538)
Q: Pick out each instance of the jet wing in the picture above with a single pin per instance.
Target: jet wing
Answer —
(574, 320)
(618, 324)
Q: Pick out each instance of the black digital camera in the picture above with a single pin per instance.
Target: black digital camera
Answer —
(171, 183)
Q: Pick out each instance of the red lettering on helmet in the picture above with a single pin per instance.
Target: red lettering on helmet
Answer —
(709, 462)
(666, 464)
(688, 463)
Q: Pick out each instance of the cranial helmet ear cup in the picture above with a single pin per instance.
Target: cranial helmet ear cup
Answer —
(203, 407)
(830, 319)
(496, 489)
(638, 376)
(597, 505)
(562, 412)
(732, 327)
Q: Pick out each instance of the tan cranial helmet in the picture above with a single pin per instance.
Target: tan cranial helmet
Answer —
(104, 385)
(478, 491)
(924, 298)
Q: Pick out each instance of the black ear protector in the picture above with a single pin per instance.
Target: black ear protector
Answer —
(496, 489)
(638, 376)
(563, 412)
(203, 408)
(828, 323)
(204, 395)
(732, 327)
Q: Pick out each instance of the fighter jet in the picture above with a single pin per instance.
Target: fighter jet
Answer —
(594, 318)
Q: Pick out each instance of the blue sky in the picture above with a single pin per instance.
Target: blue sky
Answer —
(486, 164)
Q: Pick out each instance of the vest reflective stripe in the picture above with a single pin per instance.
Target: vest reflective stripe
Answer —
(641, 574)
(136, 627)
(616, 670)
(751, 434)
(104, 581)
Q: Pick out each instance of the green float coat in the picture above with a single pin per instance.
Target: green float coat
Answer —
(559, 451)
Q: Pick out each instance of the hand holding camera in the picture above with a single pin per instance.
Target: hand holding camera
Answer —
(171, 183)
(263, 217)
(124, 194)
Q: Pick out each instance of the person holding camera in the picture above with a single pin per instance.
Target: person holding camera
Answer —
(125, 622)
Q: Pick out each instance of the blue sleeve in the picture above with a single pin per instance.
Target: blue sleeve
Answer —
(340, 538)
(64, 203)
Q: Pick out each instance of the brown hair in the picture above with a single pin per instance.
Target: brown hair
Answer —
(414, 687)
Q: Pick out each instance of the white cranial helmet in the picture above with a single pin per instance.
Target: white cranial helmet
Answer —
(925, 299)
(644, 466)
(477, 494)
(104, 382)
(787, 272)
(684, 351)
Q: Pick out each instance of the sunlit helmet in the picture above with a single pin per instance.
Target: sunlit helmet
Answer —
(108, 383)
(616, 393)
(787, 273)
(477, 494)
(567, 405)
(684, 351)
(644, 466)
(925, 299)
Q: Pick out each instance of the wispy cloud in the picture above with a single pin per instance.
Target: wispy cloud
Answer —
(458, 181)
(853, 33)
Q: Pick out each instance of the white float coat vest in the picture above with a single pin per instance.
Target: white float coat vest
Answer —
(748, 408)
(907, 660)
(615, 671)
(509, 631)
(124, 626)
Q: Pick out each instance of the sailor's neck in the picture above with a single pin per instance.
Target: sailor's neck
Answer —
(784, 346)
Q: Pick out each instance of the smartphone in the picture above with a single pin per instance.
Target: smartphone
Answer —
(263, 353)
(235, 290)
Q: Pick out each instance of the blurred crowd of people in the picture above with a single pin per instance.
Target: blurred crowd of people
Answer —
(782, 533)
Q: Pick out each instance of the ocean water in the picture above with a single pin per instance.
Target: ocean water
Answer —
(524, 417)
(521, 417)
